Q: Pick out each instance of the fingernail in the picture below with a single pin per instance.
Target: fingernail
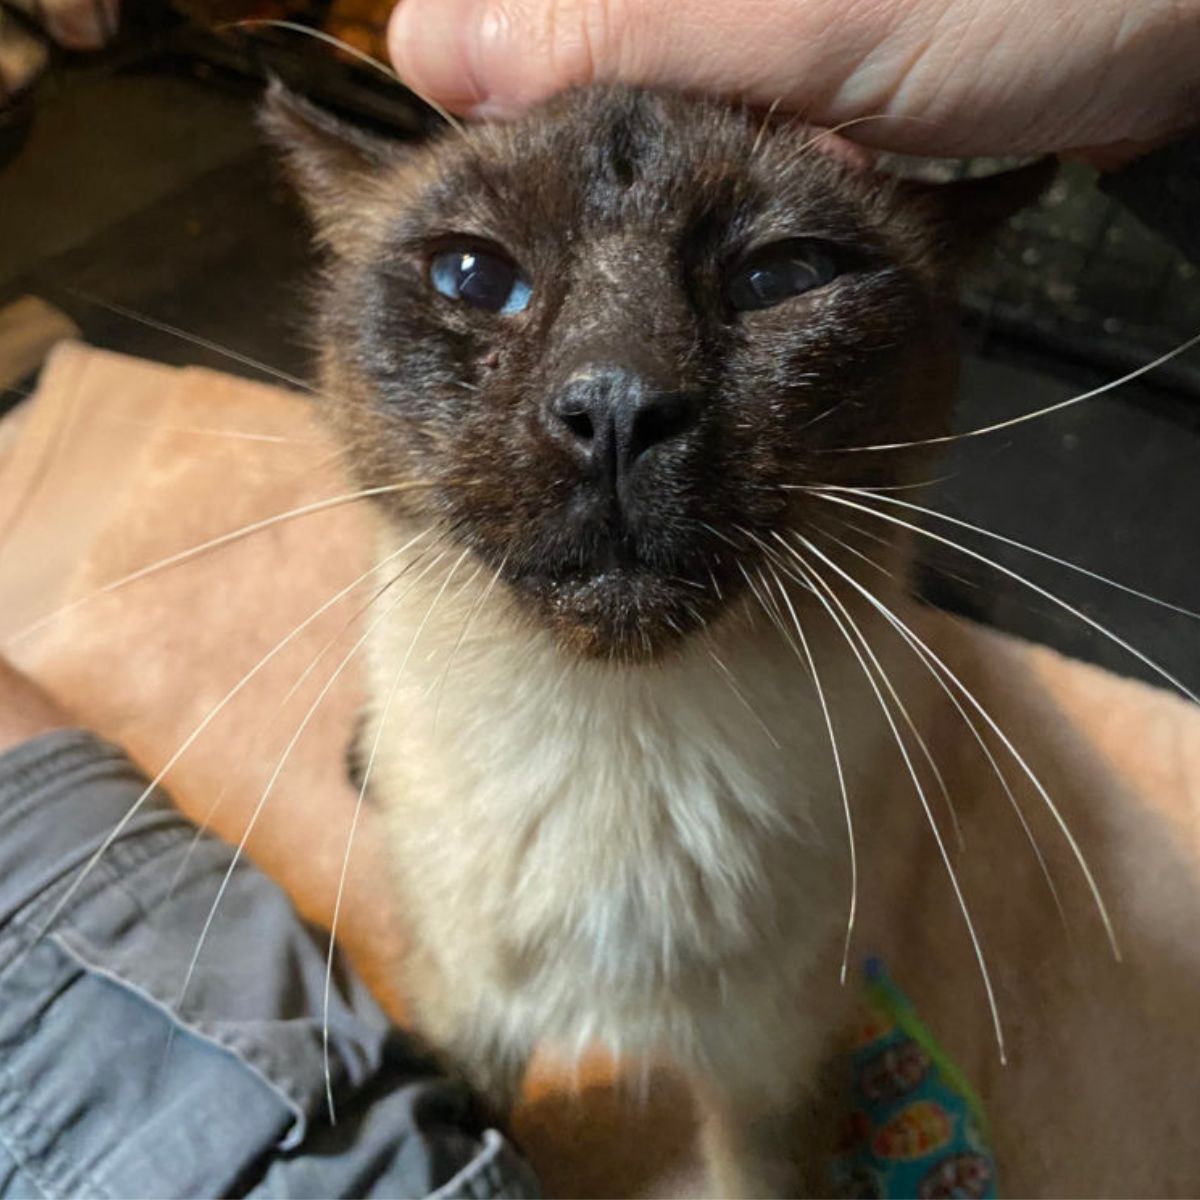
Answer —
(432, 43)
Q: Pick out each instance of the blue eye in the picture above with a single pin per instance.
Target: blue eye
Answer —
(482, 279)
(778, 272)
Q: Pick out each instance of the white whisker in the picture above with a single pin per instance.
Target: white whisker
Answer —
(358, 805)
(366, 59)
(259, 808)
(999, 537)
(1161, 360)
(851, 917)
(1157, 668)
(1053, 808)
(766, 123)
(918, 648)
(814, 578)
(480, 601)
(922, 745)
(215, 543)
(774, 613)
(732, 682)
(313, 663)
(204, 343)
(190, 740)
(234, 435)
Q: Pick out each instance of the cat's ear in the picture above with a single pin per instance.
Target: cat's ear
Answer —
(330, 163)
(967, 213)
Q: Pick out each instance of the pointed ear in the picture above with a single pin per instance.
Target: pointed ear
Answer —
(968, 213)
(329, 162)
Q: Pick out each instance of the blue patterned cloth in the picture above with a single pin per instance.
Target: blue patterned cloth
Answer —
(915, 1129)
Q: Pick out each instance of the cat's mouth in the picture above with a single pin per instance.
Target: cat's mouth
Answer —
(617, 602)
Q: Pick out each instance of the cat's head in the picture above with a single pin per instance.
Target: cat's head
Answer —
(614, 340)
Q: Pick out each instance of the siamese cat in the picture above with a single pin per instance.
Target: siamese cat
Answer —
(616, 356)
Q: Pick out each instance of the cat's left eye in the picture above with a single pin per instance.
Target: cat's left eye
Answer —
(775, 273)
(481, 278)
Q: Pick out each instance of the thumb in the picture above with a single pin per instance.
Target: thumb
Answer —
(495, 57)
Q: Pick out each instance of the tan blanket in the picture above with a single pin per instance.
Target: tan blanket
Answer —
(117, 464)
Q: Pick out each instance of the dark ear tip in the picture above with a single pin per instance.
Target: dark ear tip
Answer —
(274, 107)
(282, 114)
(299, 127)
(327, 161)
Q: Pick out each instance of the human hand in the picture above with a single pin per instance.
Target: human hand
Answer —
(940, 77)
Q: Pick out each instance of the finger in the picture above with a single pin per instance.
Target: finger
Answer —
(926, 76)
(498, 56)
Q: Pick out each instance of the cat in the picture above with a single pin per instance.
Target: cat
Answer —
(614, 352)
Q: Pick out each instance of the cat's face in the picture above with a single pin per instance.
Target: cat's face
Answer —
(615, 338)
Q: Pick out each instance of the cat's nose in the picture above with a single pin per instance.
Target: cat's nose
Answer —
(612, 415)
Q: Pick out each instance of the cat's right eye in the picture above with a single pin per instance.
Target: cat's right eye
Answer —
(481, 278)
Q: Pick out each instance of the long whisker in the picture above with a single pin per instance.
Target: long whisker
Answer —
(1076, 850)
(234, 435)
(919, 650)
(766, 124)
(174, 331)
(922, 745)
(475, 608)
(459, 593)
(825, 134)
(298, 683)
(1041, 591)
(845, 545)
(190, 740)
(999, 537)
(358, 806)
(890, 487)
(770, 606)
(1161, 360)
(737, 691)
(815, 578)
(837, 766)
(215, 543)
(366, 59)
(259, 808)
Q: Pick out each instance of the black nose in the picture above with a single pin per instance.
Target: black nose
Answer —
(611, 416)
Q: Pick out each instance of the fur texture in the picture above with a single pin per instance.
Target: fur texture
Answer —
(615, 816)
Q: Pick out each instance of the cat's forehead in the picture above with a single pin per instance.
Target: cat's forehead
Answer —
(622, 160)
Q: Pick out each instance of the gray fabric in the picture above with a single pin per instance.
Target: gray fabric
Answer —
(109, 1087)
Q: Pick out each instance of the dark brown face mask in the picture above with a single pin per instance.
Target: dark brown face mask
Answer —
(614, 338)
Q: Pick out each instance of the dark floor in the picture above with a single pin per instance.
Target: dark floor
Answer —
(148, 190)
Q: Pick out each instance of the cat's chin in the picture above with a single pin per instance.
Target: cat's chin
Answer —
(624, 614)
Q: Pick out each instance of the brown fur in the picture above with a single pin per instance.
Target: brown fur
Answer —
(592, 839)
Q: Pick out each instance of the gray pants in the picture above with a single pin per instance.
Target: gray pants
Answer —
(109, 1088)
